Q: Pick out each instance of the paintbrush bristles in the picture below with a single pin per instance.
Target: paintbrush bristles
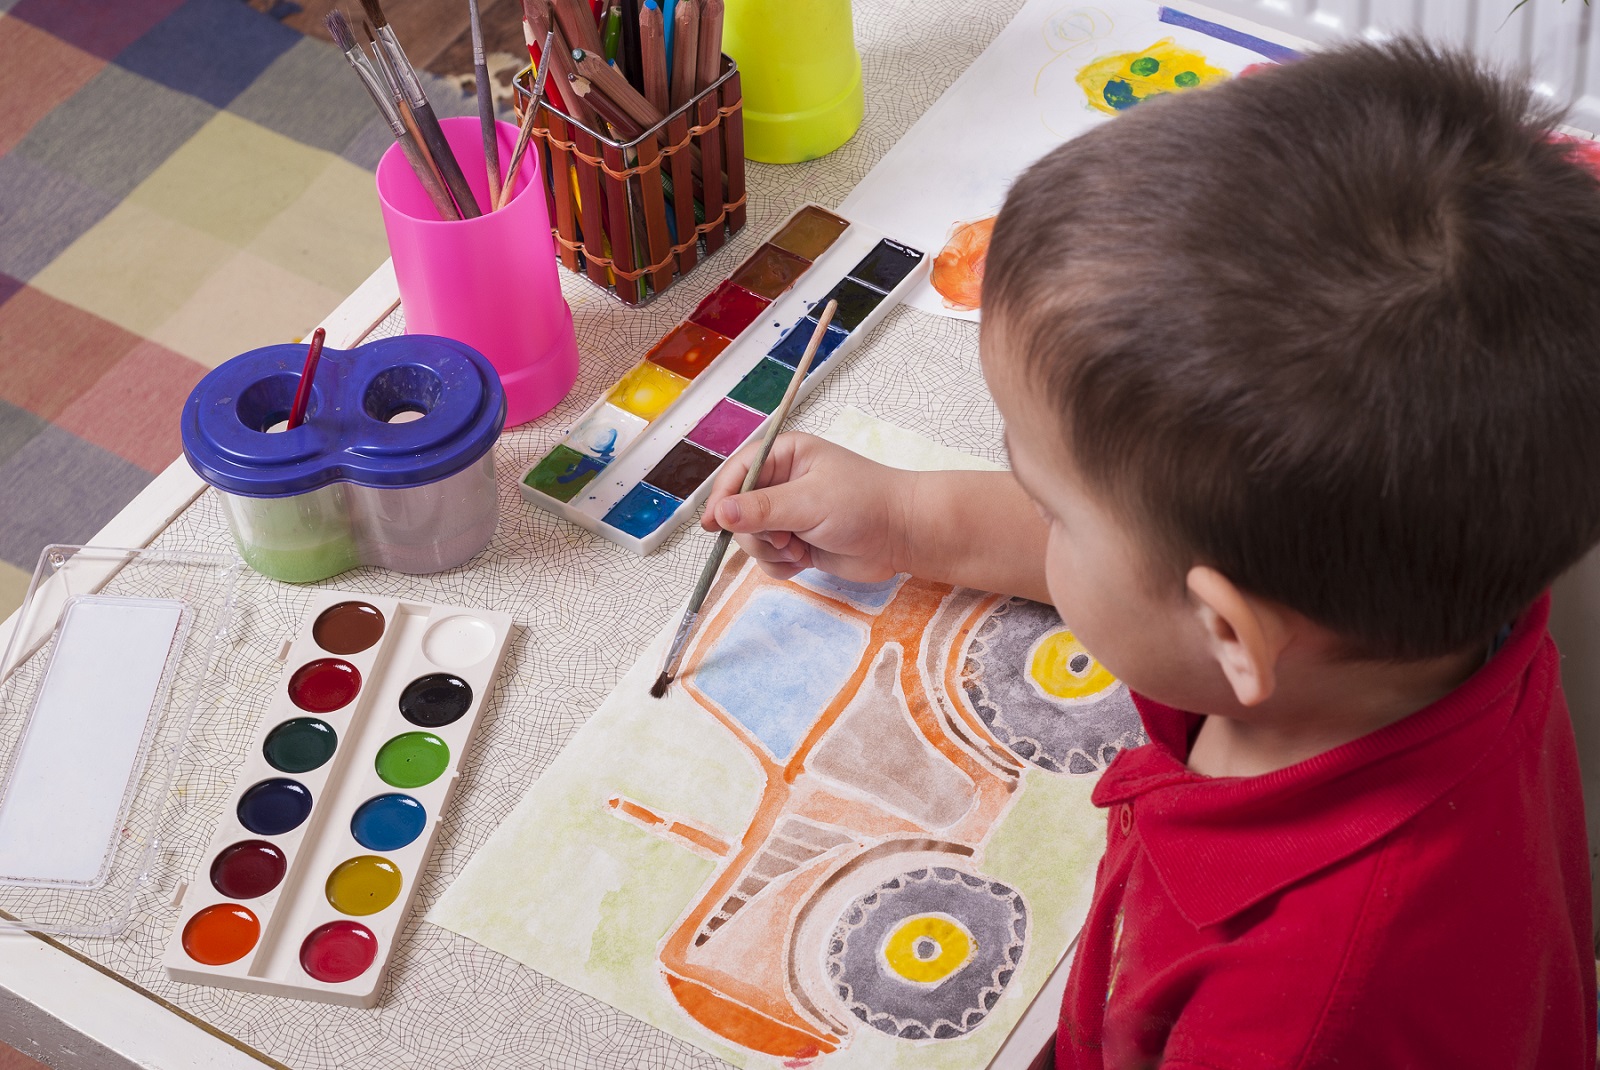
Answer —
(339, 29)
(659, 688)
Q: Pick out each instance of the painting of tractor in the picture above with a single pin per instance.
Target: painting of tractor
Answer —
(894, 724)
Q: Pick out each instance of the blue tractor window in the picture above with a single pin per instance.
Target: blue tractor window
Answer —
(778, 666)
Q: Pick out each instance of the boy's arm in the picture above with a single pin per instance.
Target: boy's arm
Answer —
(822, 506)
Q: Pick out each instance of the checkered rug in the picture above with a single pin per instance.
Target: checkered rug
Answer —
(180, 181)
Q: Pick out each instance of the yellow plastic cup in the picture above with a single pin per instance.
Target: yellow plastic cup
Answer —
(800, 73)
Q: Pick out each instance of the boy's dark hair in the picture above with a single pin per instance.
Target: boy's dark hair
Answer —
(1332, 329)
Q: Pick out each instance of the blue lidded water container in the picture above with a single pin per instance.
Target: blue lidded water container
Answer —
(393, 465)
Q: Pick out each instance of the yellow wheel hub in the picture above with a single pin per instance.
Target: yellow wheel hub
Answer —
(927, 948)
(1063, 669)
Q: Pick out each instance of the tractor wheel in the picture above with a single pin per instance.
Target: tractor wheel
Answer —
(926, 955)
(1043, 695)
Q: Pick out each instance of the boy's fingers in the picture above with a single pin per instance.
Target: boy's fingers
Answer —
(777, 508)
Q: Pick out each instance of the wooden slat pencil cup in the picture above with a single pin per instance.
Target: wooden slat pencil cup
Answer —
(614, 208)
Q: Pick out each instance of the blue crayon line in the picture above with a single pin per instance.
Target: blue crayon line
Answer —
(1276, 53)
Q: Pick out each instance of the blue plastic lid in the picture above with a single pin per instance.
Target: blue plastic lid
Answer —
(346, 435)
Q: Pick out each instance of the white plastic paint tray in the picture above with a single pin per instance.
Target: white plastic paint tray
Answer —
(108, 660)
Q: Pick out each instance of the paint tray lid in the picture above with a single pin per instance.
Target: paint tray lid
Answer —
(106, 663)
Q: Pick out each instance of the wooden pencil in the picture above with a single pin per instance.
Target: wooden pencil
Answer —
(653, 56)
(709, 46)
(624, 126)
(685, 51)
(577, 25)
(606, 80)
(633, 68)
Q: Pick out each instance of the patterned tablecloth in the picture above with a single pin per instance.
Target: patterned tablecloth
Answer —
(586, 609)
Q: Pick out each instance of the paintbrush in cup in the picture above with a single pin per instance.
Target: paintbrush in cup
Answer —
(302, 393)
(345, 38)
(480, 74)
(680, 640)
(526, 132)
(422, 112)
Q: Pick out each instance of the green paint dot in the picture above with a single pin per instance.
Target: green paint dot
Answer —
(1145, 66)
(1187, 80)
(1119, 94)
(563, 473)
(300, 745)
(412, 759)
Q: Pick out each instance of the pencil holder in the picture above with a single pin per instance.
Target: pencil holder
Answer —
(393, 466)
(635, 215)
(490, 282)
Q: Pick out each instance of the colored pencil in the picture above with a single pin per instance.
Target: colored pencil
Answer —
(709, 64)
(541, 16)
(633, 65)
(302, 393)
(605, 79)
(534, 13)
(653, 56)
(576, 23)
(613, 32)
(686, 56)
(480, 75)
(345, 38)
(668, 8)
(422, 111)
(625, 128)
(708, 572)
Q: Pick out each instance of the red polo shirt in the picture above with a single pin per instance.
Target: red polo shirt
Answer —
(1416, 898)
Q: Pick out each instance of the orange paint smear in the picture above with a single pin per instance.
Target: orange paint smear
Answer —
(958, 269)
(745, 1027)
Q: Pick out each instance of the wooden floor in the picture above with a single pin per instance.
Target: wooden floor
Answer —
(436, 34)
(12, 1059)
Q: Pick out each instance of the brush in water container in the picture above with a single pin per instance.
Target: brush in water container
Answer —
(393, 465)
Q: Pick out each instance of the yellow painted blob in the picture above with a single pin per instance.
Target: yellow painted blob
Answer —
(927, 948)
(647, 390)
(1064, 669)
(1116, 83)
(363, 885)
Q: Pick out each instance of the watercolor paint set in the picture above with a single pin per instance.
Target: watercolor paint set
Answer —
(639, 462)
(319, 852)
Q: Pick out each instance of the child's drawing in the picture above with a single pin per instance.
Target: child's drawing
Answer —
(856, 832)
(957, 272)
(1118, 82)
(1056, 71)
(892, 724)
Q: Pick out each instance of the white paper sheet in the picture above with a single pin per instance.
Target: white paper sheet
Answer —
(1017, 101)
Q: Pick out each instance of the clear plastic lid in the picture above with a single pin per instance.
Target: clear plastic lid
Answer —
(109, 658)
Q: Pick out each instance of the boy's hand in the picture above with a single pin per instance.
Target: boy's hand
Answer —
(817, 505)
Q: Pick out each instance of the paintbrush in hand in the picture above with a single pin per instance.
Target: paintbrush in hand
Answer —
(480, 74)
(669, 668)
(422, 112)
(345, 38)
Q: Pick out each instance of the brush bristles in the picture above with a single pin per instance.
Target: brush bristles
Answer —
(375, 13)
(339, 27)
(659, 688)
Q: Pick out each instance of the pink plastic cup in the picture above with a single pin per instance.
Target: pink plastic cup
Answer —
(489, 282)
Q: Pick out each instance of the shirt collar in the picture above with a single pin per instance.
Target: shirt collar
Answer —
(1220, 845)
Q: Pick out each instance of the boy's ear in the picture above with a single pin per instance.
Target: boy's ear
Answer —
(1244, 633)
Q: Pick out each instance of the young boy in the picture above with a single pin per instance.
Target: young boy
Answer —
(1301, 382)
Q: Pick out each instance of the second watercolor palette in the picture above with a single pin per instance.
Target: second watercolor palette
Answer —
(314, 864)
(639, 462)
